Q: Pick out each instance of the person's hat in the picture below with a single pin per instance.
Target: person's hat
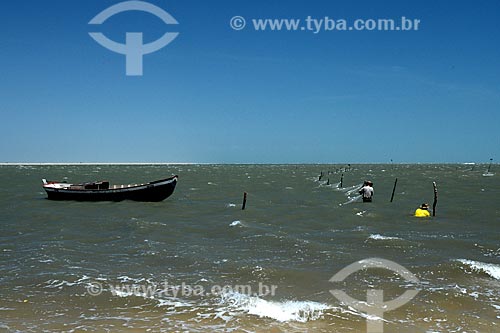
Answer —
(424, 206)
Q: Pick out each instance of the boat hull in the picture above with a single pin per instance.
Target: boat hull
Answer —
(151, 192)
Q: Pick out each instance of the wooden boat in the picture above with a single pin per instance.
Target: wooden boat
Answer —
(102, 191)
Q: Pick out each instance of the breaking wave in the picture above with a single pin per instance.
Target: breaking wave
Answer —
(382, 237)
(298, 311)
(492, 270)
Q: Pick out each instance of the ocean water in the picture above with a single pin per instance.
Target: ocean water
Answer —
(150, 267)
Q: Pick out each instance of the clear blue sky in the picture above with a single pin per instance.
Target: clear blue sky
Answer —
(219, 95)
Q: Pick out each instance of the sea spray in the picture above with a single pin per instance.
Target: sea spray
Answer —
(299, 311)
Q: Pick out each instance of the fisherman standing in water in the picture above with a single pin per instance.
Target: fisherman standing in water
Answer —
(423, 211)
(367, 191)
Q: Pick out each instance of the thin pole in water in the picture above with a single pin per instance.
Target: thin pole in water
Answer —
(244, 201)
(341, 180)
(394, 189)
(489, 166)
(435, 199)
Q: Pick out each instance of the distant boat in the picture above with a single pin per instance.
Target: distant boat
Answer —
(101, 191)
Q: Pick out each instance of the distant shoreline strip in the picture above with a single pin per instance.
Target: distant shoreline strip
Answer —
(100, 163)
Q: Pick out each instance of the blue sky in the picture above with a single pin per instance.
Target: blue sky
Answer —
(218, 95)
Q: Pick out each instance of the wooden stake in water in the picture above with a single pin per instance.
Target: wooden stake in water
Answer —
(489, 166)
(435, 199)
(244, 201)
(394, 189)
(341, 180)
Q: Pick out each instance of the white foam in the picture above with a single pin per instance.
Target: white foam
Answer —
(235, 223)
(382, 237)
(299, 311)
(230, 205)
(46, 261)
(63, 283)
(492, 270)
(361, 213)
(127, 279)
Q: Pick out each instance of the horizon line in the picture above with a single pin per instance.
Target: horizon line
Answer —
(228, 163)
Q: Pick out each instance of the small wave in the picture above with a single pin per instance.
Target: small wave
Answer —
(299, 311)
(492, 270)
(44, 261)
(53, 283)
(381, 237)
(229, 205)
(361, 213)
(235, 223)
(127, 279)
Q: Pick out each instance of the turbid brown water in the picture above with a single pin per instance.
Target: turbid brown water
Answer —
(79, 266)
